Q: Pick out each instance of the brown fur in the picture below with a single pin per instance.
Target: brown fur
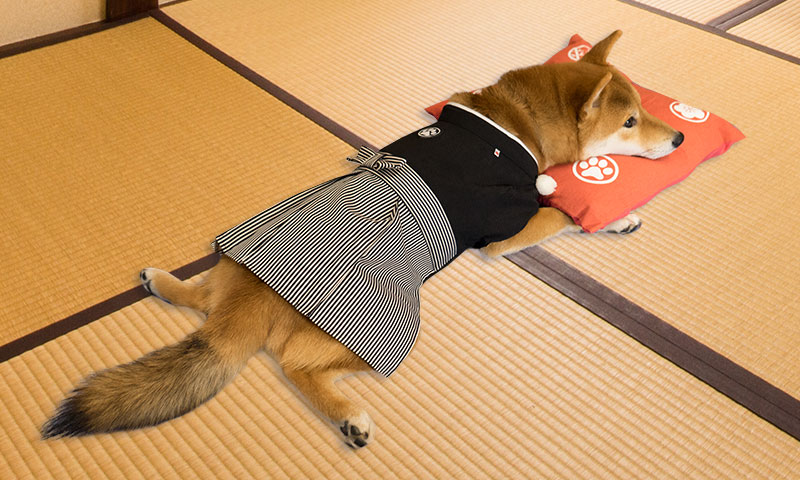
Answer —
(244, 315)
(562, 112)
(557, 110)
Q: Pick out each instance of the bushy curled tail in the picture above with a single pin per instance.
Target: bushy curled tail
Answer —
(159, 386)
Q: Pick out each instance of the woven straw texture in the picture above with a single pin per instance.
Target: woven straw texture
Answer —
(778, 28)
(543, 390)
(701, 11)
(718, 255)
(509, 379)
(131, 148)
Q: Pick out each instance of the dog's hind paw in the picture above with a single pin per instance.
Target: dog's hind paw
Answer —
(628, 224)
(147, 276)
(357, 431)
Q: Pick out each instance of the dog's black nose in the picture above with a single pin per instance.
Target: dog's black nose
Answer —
(677, 140)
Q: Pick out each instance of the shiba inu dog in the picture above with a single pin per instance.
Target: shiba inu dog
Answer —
(543, 115)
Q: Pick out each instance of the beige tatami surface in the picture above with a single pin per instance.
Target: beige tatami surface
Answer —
(777, 28)
(131, 147)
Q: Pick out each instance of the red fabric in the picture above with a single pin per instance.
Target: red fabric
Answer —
(597, 191)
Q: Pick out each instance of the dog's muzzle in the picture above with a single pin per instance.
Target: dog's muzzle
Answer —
(677, 140)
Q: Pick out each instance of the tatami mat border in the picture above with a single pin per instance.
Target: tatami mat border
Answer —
(273, 89)
(107, 307)
(750, 391)
(718, 31)
(742, 13)
(64, 35)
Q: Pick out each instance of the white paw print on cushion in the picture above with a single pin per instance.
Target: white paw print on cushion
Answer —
(575, 53)
(688, 113)
(598, 170)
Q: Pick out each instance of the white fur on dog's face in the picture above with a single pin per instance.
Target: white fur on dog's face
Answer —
(664, 149)
(615, 144)
(624, 142)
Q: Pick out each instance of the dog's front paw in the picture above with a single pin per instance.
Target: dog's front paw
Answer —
(624, 225)
(358, 430)
(494, 249)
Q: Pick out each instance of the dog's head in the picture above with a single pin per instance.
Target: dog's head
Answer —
(571, 111)
(611, 119)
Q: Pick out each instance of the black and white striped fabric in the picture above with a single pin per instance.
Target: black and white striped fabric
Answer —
(351, 254)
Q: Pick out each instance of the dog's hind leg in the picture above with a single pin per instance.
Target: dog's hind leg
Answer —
(353, 422)
(313, 361)
(169, 288)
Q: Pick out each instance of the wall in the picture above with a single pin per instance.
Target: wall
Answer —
(25, 19)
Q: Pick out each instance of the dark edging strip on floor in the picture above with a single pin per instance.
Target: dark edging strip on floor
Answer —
(300, 106)
(740, 385)
(63, 36)
(742, 13)
(111, 305)
(715, 31)
(97, 311)
(730, 379)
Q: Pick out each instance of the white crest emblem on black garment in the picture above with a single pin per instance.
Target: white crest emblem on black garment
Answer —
(429, 132)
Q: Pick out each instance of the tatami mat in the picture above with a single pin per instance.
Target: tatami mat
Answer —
(543, 390)
(701, 11)
(509, 378)
(777, 28)
(718, 255)
(131, 148)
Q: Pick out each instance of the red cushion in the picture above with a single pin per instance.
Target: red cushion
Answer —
(599, 190)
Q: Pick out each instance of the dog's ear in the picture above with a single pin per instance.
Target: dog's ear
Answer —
(599, 53)
(593, 103)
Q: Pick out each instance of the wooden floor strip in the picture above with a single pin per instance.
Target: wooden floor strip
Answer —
(777, 28)
(742, 13)
(730, 379)
(96, 311)
(789, 57)
(63, 36)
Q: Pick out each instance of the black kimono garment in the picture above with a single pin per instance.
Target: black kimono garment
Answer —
(352, 253)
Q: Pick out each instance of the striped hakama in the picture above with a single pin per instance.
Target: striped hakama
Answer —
(352, 253)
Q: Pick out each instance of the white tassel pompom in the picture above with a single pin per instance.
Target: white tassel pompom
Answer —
(545, 184)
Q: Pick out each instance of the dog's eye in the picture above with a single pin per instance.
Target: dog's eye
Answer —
(630, 123)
